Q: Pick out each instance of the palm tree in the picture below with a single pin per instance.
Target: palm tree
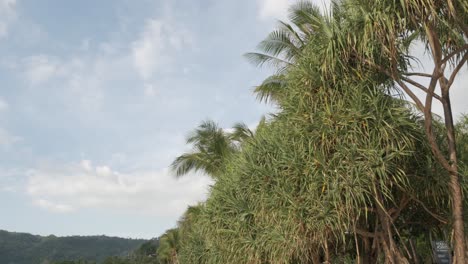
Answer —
(240, 133)
(282, 47)
(212, 148)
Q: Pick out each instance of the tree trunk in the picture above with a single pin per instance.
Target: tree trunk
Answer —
(326, 254)
(391, 250)
(457, 197)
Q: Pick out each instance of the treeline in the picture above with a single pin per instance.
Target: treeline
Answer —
(348, 170)
(145, 254)
(22, 248)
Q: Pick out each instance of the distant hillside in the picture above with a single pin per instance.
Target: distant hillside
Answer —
(23, 248)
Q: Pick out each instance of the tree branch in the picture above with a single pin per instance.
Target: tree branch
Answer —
(455, 52)
(422, 74)
(421, 87)
(437, 217)
(366, 233)
(403, 203)
(436, 50)
(456, 70)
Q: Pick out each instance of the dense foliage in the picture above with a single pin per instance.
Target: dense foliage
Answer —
(346, 171)
(22, 248)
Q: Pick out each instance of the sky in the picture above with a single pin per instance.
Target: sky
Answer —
(96, 98)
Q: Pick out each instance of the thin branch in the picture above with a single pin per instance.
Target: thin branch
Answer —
(456, 70)
(403, 203)
(410, 93)
(421, 87)
(366, 233)
(437, 217)
(421, 74)
(455, 52)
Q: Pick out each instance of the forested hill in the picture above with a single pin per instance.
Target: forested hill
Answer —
(23, 248)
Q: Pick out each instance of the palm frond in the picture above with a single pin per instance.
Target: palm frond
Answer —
(280, 43)
(260, 59)
(185, 163)
(241, 132)
(270, 88)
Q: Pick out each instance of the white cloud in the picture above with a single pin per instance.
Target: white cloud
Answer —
(7, 16)
(78, 79)
(54, 207)
(158, 41)
(147, 51)
(82, 80)
(277, 9)
(40, 68)
(82, 185)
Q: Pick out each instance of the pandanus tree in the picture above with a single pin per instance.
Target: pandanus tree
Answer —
(344, 172)
(378, 36)
(336, 165)
(461, 129)
(193, 245)
(168, 247)
(343, 165)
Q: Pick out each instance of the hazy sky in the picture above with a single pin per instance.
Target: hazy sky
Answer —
(96, 98)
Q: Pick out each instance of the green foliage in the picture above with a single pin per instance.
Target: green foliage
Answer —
(145, 254)
(169, 246)
(74, 262)
(344, 165)
(21, 248)
(344, 172)
(211, 146)
(462, 139)
(307, 178)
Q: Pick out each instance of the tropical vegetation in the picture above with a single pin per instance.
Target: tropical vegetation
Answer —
(23, 248)
(354, 167)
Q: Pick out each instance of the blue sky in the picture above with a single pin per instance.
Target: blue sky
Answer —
(96, 98)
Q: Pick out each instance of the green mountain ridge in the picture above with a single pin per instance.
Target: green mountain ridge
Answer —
(24, 248)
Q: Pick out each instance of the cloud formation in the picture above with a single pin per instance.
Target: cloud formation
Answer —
(278, 9)
(40, 68)
(53, 207)
(157, 42)
(273, 9)
(7, 16)
(82, 186)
